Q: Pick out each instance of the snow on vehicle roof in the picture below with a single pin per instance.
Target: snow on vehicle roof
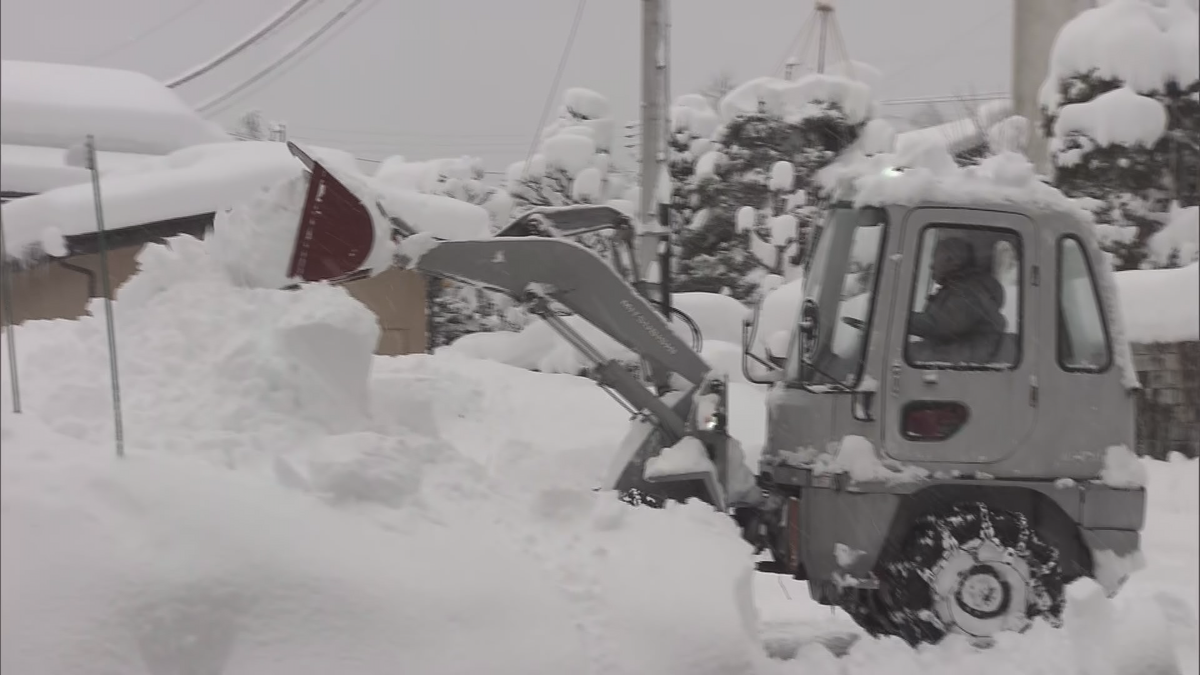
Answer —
(193, 181)
(58, 105)
(1133, 41)
(31, 169)
(793, 99)
(958, 135)
(927, 173)
(1161, 305)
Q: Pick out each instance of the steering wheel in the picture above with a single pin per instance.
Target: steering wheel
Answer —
(857, 324)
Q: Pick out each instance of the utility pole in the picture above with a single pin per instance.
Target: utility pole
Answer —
(652, 111)
(825, 10)
(823, 22)
(654, 236)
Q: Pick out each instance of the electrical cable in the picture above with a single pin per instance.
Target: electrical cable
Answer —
(239, 47)
(148, 32)
(562, 64)
(281, 62)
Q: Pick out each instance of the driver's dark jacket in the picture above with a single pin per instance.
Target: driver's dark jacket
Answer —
(961, 323)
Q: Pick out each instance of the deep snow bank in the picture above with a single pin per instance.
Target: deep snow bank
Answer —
(284, 510)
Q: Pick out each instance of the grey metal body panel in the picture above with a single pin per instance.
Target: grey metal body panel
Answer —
(871, 518)
(1076, 416)
(1036, 423)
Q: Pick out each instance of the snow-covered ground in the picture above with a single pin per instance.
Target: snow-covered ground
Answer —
(291, 504)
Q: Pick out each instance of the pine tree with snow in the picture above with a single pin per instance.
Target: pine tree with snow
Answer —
(252, 126)
(754, 194)
(1116, 110)
(456, 310)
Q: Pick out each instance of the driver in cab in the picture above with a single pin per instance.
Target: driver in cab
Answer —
(962, 321)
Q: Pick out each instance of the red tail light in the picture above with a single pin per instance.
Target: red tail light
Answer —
(933, 420)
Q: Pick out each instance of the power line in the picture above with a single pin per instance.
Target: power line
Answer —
(239, 47)
(562, 65)
(947, 98)
(148, 32)
(281, 62)
(379, 133)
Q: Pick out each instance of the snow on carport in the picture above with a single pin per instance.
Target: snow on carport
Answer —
(193, 181)
(1161, 305)
(57, 105)
(33, 169)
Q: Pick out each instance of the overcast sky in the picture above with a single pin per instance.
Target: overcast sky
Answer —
(427, 78)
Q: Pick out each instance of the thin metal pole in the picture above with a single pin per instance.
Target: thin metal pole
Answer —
(106, 285)
(9, 333)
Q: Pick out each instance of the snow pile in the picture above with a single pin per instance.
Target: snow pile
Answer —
(446, 217)
(686, 456)
(1134, 41)
(793, 100)
(856, 457)
(1160, 305)
(1117, 117)
(1180, 236)
(1122, 468)
(460, 178)
(271, 520)
(58, 105)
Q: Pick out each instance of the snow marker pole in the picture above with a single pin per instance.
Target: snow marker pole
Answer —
(118, 426)
(9, 333)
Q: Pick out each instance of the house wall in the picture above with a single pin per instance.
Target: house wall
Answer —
(51, 290)
(1168, 415)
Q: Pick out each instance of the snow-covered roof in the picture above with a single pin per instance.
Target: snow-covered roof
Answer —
(197, 180)
(58, 105)
(1161, 305)
(31, 169)
(958, 135)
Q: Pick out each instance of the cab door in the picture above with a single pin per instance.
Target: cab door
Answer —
(965, 402)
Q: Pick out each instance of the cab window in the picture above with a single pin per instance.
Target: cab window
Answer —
(1083, 344)
(966, 307)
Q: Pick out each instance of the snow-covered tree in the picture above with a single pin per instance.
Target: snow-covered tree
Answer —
(254, 126)
(1115, 108)
(752, 195)
(574, 162)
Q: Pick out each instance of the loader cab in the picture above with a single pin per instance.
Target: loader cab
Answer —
(950, 336)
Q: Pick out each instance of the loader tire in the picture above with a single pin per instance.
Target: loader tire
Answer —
(972, 570)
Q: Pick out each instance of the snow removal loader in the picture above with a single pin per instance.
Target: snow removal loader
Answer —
(949, 421)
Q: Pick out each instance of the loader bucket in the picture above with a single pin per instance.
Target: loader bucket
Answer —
(336, 231)
(646, 440)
